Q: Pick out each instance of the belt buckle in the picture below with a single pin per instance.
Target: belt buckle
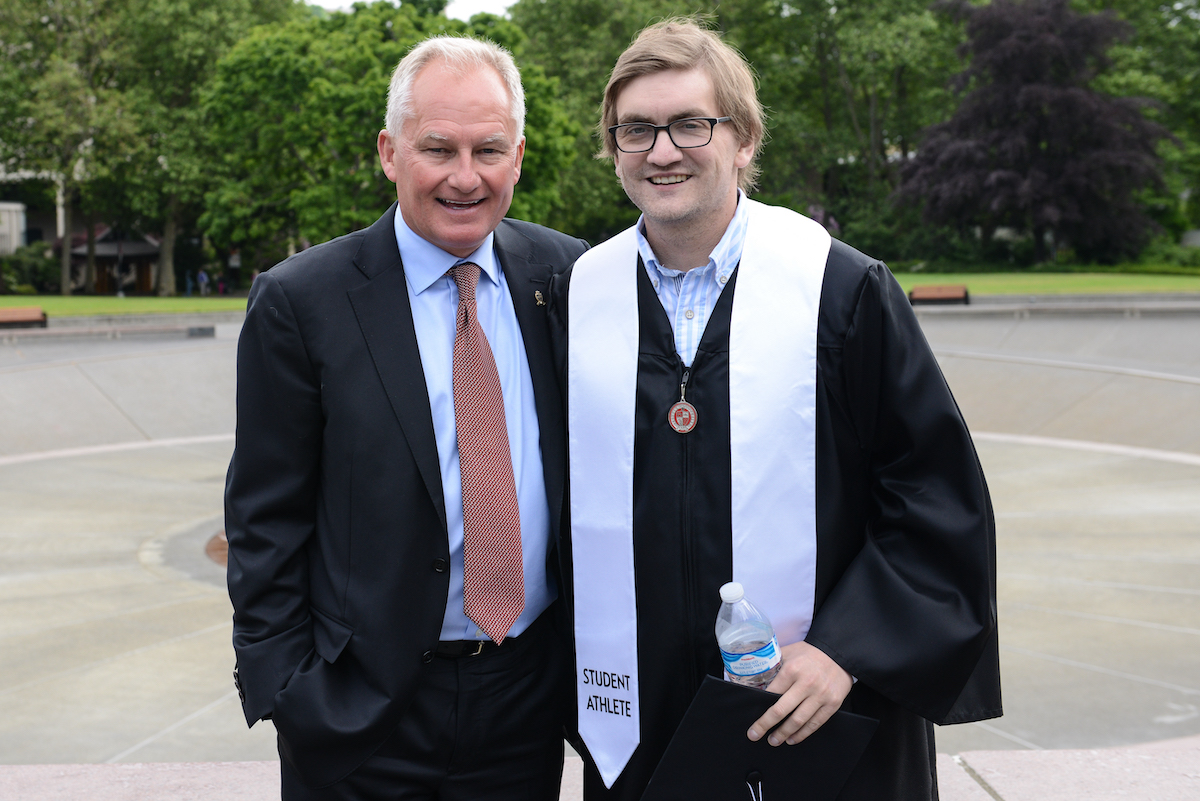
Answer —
(478, 648)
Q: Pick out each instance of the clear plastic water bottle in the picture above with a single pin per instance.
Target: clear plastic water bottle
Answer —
(746, 639)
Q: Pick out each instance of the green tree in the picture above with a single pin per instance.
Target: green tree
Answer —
(294, 112)
(848, 86)
(171, 52)
(577, 42)
(63, 113)
(1161, 60)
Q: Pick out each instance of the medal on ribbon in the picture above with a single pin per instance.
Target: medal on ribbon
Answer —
(682, 416)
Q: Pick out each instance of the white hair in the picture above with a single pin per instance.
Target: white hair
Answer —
(463, 56)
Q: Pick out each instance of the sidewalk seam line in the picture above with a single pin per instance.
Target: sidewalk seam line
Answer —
(113, 447)
(1132, 372)
(56, 364)
(79, 369)
(109, 659)
(1103, 670)
(1114, 449)
(999, 732)
(970, 771)
(203, 710)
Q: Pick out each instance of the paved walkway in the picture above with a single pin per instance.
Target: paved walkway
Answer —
(114, 627)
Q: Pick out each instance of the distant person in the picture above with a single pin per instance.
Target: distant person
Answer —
(234, 272)
(202, 281)
(751, 400)
(394, 497)
(188, 282)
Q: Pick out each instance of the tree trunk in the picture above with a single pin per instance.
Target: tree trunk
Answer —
(65, 272)
(826, 90)
(89, 279)
(874, 140)
(166, 256)
(1039, 244)
(901, 112)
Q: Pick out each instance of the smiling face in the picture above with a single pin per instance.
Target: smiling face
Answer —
(693, 188)
(457, 158)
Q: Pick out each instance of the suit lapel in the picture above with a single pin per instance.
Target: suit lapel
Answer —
(385, 317)
(526, 278)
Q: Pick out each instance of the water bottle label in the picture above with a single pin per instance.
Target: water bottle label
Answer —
(752, 663)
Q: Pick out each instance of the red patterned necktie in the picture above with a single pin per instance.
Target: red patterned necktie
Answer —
(493, 580)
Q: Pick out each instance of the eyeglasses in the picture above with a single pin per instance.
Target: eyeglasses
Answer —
(639, 137)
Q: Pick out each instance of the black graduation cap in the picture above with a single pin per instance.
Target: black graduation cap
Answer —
(710, 756)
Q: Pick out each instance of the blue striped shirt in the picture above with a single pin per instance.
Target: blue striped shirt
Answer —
(689, 297)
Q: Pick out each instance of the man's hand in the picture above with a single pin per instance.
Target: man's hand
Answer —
(812, 687)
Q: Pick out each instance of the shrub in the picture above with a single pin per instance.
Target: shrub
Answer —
(29, 270)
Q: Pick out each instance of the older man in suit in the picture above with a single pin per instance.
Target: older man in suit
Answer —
(393, 498)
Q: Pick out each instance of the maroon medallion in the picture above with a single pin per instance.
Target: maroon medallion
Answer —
(682, 417)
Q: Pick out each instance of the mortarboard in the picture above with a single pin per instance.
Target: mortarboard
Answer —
(710, 756)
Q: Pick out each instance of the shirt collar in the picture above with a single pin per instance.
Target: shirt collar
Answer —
(424, 262)
(725, 255)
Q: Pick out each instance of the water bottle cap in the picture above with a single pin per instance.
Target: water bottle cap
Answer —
(732, 592)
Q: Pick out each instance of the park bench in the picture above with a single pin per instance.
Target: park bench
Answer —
(22, 317)
(939, 293)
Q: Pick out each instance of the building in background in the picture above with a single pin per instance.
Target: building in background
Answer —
(12, 227)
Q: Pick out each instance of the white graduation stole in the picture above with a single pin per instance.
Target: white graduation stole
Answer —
(772, 398)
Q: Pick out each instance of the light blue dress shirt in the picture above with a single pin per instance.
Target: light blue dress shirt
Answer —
(434, 299)
(689, 297)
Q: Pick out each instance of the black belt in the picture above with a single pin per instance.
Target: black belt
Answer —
(453, 649)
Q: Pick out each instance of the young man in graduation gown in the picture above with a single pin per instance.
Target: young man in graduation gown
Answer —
(750, 400)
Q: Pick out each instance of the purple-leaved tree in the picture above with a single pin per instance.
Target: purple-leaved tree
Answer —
(1032, 145)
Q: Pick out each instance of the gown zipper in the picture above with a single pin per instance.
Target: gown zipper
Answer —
(689, 571)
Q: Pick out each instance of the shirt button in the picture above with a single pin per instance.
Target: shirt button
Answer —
(439, 565)
(723, 279)
(689, 314)
(656, 284)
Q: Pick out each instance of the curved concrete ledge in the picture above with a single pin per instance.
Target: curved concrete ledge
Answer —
(188, 781)
(175, 781)
(147, 320)
(1164, 771)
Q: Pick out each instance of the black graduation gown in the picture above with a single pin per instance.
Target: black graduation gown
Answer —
(905, 583)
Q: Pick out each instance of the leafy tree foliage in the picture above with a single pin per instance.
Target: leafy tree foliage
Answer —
(62, 113)
(294, 113)
(172, 54)
(101, 94)
(1161, 60)
(1033, 145)
(182, 116)
(848, 84)
(577, 42)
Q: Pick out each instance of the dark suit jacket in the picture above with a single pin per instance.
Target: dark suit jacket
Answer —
(338, 554)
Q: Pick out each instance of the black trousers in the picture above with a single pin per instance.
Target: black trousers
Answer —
(483, 728)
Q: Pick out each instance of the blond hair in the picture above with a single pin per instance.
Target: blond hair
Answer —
(680, 43)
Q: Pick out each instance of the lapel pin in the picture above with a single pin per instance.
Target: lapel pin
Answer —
(537, 295)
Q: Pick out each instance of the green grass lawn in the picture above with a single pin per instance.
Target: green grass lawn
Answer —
(91, 305)
(1055, 283)
(977, 283)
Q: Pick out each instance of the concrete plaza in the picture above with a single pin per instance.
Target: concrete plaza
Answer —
(115, 626)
